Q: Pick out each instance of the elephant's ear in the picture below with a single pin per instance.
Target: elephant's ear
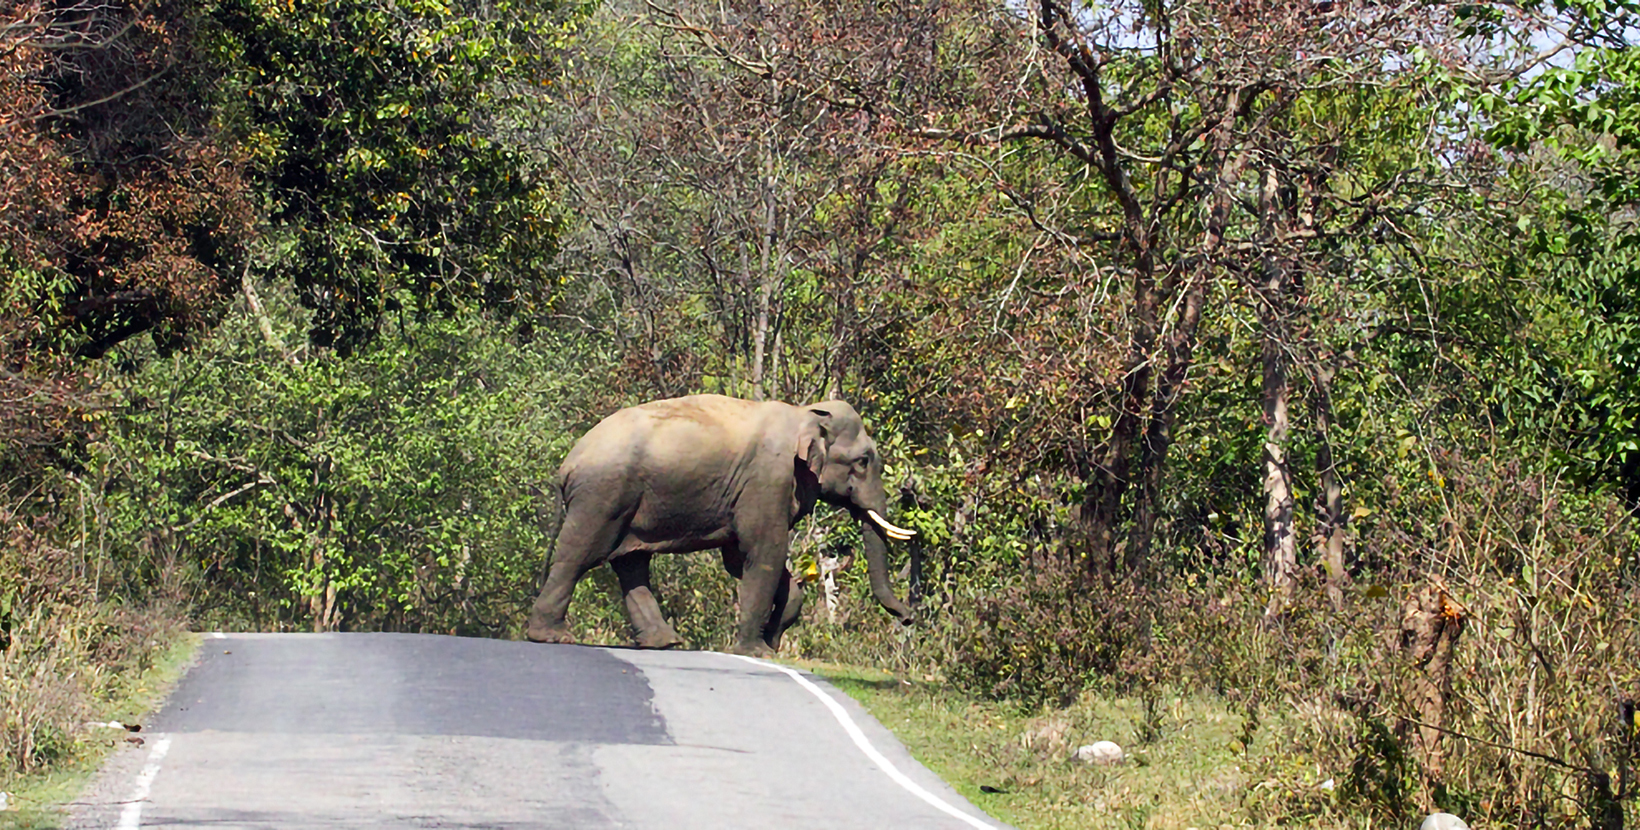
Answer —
(811, 445)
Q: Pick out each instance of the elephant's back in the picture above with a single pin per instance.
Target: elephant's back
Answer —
(710, 411)
(691, 431)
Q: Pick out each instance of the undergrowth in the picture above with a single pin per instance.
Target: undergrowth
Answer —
(1530, 725)
(67, 657)
(1191, 759)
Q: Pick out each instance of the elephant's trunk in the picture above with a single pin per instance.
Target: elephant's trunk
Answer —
(873, 540)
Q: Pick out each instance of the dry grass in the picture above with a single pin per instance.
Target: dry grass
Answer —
(68, 656)
(65, 665)
(48, 701)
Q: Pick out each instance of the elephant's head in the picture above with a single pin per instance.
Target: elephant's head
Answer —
(845, 461)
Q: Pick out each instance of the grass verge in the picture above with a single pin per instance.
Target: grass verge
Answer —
(36, 800)
(1192, 761)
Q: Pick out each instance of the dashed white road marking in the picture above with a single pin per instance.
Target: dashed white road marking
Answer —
(217, 635)
(131, 816)
(853, 730)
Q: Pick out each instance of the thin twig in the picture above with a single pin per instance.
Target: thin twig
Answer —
(1495, 745)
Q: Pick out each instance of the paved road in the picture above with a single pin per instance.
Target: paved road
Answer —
(400, 730)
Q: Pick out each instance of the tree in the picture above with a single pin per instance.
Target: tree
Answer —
(400, 488)
(728, 204)
(1181, 146)
(1191, 126)
(385, 138)
(367, 148)
(1572, 133)
(121, 204)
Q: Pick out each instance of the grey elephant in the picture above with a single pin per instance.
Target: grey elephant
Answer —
(707, 471)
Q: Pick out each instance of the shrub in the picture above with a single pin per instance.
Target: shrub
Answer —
(64, 654)
(1046, 634)
(409, 487)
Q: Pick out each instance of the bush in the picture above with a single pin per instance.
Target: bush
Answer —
(1540, 577)
(64, 654)
(1047, 634)
(410, 487)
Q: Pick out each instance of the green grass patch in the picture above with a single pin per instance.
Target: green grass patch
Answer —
(36, 800)
(1193, 762)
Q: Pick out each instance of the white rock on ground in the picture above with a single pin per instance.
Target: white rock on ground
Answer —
(1443, 821)
(1099, 752)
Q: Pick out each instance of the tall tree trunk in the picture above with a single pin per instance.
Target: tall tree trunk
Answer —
(1108, 480)
(1158, 436)
(1111, 474)
(1330, 493)
(322, 598)
(1142, 239)
(1280, 535)
(777, 383)
(1111, 471)
(1180, 344)
(768, 262)
(263, 323)
(765, 291)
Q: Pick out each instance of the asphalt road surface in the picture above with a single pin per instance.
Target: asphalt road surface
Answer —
(402, 730)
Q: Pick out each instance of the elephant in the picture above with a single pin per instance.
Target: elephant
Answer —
(708, 471)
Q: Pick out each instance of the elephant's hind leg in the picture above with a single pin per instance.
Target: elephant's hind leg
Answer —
(641, 606)
(584, 542)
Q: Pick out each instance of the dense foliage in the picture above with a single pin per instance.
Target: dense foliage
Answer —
(401, 489)
(1278, 352)
(385, 137)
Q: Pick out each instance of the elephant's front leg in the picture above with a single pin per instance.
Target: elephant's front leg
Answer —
(761, 575)
(641, 606)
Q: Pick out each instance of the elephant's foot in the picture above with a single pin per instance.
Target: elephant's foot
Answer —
(548, 634)
(756, 648)
(666, 638)
(773, 641)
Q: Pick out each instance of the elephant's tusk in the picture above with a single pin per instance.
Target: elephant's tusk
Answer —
(893, 532)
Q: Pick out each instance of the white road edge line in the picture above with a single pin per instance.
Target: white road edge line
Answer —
(131, 816)
(853, 730)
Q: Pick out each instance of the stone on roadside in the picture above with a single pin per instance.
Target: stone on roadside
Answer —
(1443, 821)
(1100, 752)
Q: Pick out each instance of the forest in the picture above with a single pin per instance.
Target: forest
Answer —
(1283, 354)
